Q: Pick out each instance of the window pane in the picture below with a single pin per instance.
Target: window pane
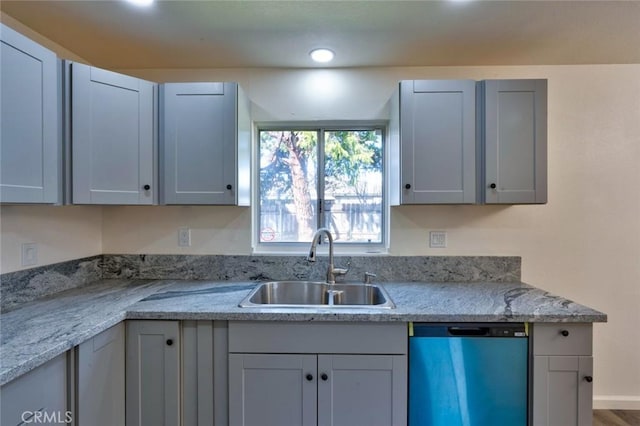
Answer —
(353, 185)
(288, 175)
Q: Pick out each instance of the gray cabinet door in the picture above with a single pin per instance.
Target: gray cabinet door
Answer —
(100, 379)
(362, 390)
(112, 137)
(30, 121)
(438, 141)
(153, 373)
(38, 397)
(272, 390)
(562, 390)
(515, 141)
(198, 143)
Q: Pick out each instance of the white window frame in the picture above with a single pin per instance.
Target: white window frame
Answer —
(284, 248)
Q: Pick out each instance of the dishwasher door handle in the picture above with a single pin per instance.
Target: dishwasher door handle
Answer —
(468, 331)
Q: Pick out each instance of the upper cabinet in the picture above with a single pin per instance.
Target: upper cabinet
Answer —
(30, 121)
(438, 141)
(204, 144)
(467, 142)
(112, 137)
(515, 141)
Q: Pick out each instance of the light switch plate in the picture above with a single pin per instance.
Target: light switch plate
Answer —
(29, 254)
(438, 239)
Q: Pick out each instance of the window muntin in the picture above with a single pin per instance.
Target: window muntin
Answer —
(331, 177)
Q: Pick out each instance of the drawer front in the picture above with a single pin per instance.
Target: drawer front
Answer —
(317, 337)
(562, 339)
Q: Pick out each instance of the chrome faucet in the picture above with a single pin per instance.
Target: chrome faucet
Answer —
(332, 272)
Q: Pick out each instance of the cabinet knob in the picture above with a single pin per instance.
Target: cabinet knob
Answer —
(309, 377)
(492, 186)
(229, 187)
(407, 186)
(146, 187)
(589, 379)
(169, 342)
(324, 377)
(565, 333)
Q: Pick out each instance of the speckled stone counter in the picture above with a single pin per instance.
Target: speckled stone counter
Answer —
(41, 330)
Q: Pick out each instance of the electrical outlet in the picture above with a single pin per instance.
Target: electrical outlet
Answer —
(184, 237)
(29, 254)
(438, 239)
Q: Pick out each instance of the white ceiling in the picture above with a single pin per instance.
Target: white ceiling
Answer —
(269, 33)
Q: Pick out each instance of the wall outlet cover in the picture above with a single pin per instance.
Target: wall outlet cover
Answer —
(184, 237)
(438, 239)
(29, 254)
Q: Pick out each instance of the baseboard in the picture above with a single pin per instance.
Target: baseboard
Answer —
(616, 402)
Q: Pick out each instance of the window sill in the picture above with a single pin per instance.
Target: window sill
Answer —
(302, 249)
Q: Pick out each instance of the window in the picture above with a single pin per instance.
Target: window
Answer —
(328, 177)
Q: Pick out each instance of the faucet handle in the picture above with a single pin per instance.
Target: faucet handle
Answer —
(368, 277)
(342, 271)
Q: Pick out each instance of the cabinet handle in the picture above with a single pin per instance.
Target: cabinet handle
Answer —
(589, 379)
(146, 187)
(229, 187)
(169, 342)
(492, 186)
(324, 377)
(309, 377)
(407, 186)
(565, 333)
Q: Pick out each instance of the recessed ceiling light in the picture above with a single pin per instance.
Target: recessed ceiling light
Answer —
(141, 2)
(321, 55)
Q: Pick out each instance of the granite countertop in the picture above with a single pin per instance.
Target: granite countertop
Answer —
(41, 330)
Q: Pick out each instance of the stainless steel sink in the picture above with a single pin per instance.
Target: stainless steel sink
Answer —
(310, 294)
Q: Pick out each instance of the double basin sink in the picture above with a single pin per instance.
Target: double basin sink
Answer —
(311, 294)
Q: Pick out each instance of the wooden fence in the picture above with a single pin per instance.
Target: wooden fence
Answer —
(350, 219)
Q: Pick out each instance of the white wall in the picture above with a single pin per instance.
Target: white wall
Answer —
(145, 229)
(584, 244)
(61, 233)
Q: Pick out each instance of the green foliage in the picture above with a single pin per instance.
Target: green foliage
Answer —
(275, 173)
(348, 155)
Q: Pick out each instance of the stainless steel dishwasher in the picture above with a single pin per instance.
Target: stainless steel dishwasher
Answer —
(468, 374)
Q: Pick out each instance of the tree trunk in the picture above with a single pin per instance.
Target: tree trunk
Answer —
(300, 187)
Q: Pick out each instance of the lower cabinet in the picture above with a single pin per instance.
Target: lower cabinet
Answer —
(281, 389)
(100, 388)
(273, 389)
(264, 373)
(342, 387)
(38, 397)
(176, 373)
(362, 389)
(562, 375)
(153, 373)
